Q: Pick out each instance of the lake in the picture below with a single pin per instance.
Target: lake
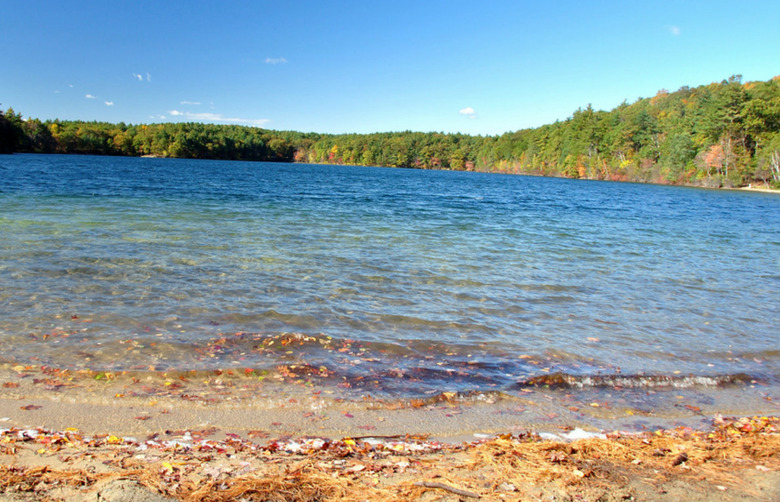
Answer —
(390, 281)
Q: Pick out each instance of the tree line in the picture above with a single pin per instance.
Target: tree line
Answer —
(722, 134)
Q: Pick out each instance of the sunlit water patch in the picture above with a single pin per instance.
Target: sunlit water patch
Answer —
(388, 281)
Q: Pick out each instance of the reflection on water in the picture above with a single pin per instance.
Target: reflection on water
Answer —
(405, 281)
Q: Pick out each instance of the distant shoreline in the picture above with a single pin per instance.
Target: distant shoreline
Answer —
(750, 188)
(762, 189)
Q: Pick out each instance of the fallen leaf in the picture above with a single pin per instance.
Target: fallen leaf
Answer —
(682, 457)
(449, 396)
(31, 407)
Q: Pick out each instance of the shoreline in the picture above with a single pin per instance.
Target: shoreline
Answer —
(78, 436)
(293, 162)
(751, 188)
(233, 403)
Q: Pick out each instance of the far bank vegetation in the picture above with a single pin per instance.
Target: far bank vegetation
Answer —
(724, 134)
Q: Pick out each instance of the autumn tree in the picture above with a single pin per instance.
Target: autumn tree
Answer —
(724, 133)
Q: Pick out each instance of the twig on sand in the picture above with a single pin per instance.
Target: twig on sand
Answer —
(442, 486)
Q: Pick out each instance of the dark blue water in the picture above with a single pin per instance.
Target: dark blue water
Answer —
(413, 280)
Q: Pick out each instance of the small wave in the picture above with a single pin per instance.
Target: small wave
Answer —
(565, 380)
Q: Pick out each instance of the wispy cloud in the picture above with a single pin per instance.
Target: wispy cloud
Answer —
(89, 96)
(275, 60)
(216, 117)
(189, 102)
(141, 77)
(109, 103)
(674, 30)
(468, 112)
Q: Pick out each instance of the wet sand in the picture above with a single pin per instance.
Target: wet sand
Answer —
(142, 404)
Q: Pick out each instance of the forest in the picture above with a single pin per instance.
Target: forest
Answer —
(725, 134)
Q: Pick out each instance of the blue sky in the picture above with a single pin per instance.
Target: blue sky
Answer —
(368, 66)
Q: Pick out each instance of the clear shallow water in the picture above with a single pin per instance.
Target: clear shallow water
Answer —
(400, 281)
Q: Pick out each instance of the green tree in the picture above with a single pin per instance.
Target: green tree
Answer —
(12, 137)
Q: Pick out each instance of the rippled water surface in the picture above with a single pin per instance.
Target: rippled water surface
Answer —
(413, 280)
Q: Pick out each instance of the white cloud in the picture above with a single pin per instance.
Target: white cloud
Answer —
(89, 96)
(148, 77)
(275, 60)
(139, 77)
(674, 30)
(109, 103)
(216, 117)
(189, 102)
(468, 112)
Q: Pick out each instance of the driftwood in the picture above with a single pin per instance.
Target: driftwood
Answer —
(442, 486)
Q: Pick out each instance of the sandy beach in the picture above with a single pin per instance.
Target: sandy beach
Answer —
(168, 437)
(759, 188)
(737, 460)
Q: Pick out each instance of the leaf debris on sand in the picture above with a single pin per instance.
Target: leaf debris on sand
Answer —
(737, 459)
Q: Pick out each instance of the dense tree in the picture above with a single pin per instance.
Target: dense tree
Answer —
(12, 136)
(725, 133)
